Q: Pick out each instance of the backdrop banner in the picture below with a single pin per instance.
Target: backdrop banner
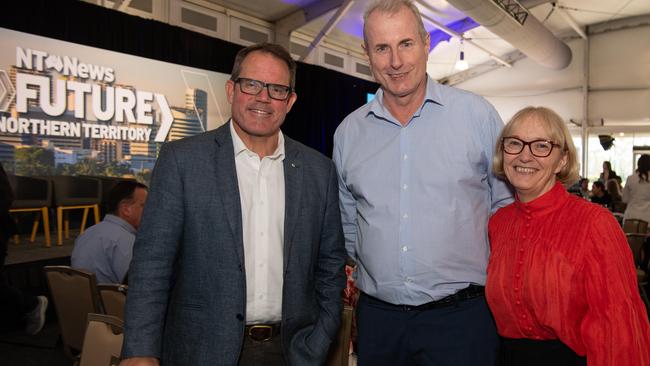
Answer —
(71, 109)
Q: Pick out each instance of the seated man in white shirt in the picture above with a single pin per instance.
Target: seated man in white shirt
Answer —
(106, 248)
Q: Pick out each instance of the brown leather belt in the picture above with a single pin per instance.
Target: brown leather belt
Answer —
(262, 332)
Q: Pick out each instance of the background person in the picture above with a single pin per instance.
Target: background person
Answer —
(106, 249)
(239, 260)
(561, 279)
(636, 192)
(17, 310)
(613, 190)
(607, 172)
(599, 194)
(416, 190)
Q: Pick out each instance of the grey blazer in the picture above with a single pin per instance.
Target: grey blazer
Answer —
(187, 286)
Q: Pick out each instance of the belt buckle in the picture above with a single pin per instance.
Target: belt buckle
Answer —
(256, 333)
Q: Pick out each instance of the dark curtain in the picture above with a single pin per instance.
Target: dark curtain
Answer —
(325, 97)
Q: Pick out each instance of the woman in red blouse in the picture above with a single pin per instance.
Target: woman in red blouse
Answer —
(561, 280)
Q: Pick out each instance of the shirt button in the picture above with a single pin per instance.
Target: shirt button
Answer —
(521, 250)
(405, 248)
(261, 233)
(406, 216)
(523, 236)
(406, 156)
(528, 217)
(525, 316)
(516, 289)
(527, 225)
(405, 187)
(409, 279)
(518, 302)
(518, 275)
(521, 262)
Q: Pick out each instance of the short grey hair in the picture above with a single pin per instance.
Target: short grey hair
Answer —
(392, 7)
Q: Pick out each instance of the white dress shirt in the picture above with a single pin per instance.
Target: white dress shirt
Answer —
(261, 192)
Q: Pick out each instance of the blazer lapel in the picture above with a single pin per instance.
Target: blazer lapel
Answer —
(293, 174)
(226, 180)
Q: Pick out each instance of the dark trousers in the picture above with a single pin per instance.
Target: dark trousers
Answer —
(256, 353)
(14, 305)
(460, 334)
(528, 352)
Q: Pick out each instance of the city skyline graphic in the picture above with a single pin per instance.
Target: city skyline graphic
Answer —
(194, 98)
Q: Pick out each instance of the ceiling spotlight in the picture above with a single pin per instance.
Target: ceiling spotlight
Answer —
(461, 64)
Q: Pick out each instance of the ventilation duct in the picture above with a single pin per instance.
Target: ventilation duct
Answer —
(531, 37)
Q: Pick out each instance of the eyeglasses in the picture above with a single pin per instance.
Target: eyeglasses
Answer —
(539, 148)
(254, 87)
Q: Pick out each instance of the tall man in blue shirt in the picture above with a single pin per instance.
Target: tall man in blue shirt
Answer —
(416, 190)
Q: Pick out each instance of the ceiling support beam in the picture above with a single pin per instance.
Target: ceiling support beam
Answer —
(572, 22)
(121, 5)
(481, 69)
(284, 27)
(331, 23)
(453, 33)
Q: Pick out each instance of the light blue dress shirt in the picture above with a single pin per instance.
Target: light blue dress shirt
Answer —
(105, 249)
(415, 199)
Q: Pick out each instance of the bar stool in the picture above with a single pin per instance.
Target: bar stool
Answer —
(32, 195)
(73, 193)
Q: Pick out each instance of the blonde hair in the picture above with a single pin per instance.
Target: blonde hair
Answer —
(558, 133)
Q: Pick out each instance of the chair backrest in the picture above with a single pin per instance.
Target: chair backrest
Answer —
(114, 298)
(636, 242)
(339, 352)
(635, 226)
(103, 341)
(30, 192)
(71, 191)
(75, 294)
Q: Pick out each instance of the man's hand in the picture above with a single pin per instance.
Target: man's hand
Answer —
(140, 361)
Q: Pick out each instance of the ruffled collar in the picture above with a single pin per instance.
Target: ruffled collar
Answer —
(544, 204)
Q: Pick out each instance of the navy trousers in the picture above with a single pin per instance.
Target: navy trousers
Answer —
(460, 334)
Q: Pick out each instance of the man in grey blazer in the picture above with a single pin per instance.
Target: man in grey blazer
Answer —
(239, 257)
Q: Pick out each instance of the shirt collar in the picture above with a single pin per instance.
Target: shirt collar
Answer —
(113, 219)
(432, 95)
(239, 146)
(544, 204)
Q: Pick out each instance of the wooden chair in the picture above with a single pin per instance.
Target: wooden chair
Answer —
(636, 242)
(634, 226)
(32, 195)
(339, 353)
(74, 293)
(72, 193)
(113, 297)
(102, 345)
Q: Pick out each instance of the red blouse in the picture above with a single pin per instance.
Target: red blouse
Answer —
(561, 268)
